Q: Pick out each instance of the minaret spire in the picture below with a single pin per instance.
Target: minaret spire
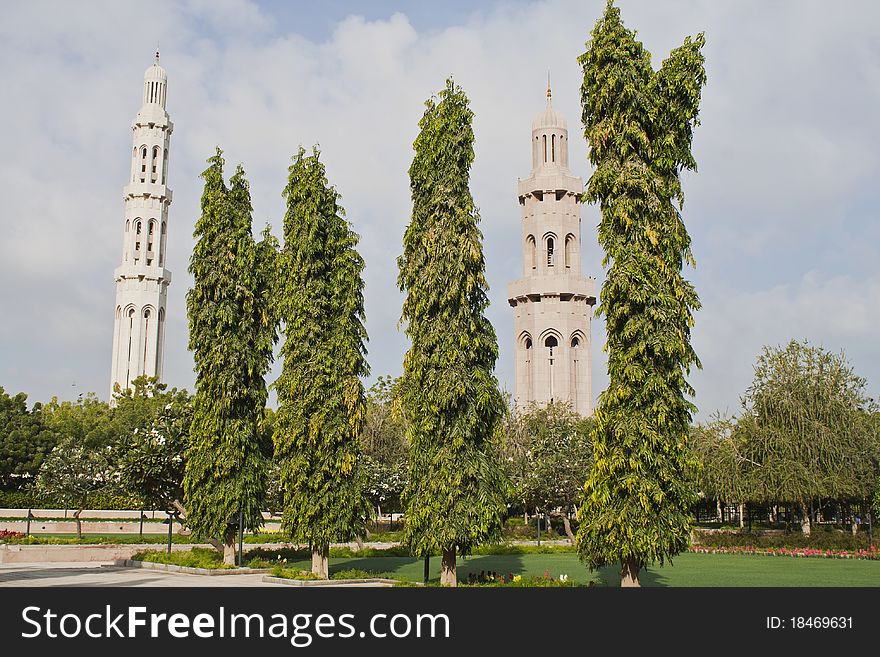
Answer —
(549, 94)
(142, 280)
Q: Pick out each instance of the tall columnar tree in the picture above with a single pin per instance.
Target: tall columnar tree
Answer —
(321, 410)
(639, 124)
(232, 331)
(456, 492)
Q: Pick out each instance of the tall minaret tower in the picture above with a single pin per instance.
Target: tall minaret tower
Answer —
(552, 302)
(142, 280)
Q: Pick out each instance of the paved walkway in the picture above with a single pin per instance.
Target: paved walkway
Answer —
(106, 574)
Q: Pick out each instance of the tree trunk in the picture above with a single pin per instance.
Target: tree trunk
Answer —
(360, 542)
(567, 524)
(629, 573)
(740, 508)
(82, 506)
(229, 549)
(217, 545)
(720, 514)
(320, 561)
(805, 518)
(448, 575)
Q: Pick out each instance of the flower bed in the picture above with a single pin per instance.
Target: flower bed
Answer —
(870, 554)
(6, 535)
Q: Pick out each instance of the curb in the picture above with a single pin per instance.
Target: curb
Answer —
(378, 581)
(173, 568)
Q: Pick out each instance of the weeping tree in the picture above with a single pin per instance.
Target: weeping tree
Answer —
(455, 495)
(810, 428)
(232, 332)
(638, 123)
(726, 472)
(321, 398)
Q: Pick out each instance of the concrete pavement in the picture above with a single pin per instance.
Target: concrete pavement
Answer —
(106, 574)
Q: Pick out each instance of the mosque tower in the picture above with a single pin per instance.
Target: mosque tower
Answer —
(142, 279)
(552, 303)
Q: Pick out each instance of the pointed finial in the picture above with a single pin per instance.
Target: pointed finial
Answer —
(157, 51)
(548, 86)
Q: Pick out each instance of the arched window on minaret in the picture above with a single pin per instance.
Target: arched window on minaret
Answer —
(162, 248)
(145, 333)
(161, 342)
(143, 163)
(551, 250)
(165, 166)
(575, 364)
(551, 344)
(531, 248)
(154, 165)
(527, 343)
(553, 147)
(126, 243)
(569, 250)
(151, 238)
(544, 141)
(130, 347)
(138, 227)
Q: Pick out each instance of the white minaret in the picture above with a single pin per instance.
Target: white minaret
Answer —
(142, 280)
(552, 302)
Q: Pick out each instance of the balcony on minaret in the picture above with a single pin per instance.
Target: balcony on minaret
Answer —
(156, 190)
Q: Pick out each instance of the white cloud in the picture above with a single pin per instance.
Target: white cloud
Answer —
(787, 150)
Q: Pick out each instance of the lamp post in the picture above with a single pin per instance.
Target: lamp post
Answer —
(170, 522)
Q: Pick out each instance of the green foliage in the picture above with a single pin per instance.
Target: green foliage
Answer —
(232, 332)
(810, 430)
(549, 454)
(721, 446)
(151, 463)
(456, 490)
(384, 448)
(99, 539)
(88, 422)
(24, 440)
(72, 471)
(193, 558)
(30, 498)
(321, 398)
(639, 124)
(294, 573)
(822, 539)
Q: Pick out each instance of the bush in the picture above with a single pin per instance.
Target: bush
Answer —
(293, 573)
(819, 539)
(195, 558)
(22, 499)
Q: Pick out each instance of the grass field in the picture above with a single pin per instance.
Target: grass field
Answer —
(687, 570)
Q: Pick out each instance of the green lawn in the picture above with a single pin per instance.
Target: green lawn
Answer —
(687, 570)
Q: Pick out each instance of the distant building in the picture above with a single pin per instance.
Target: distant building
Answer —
(142, 280)
(552, 303)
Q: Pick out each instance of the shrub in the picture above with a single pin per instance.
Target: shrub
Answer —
(24, 499)
(819, 539)
(195, 558)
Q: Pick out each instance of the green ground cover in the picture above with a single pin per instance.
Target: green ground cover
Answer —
(97, 539)
(715, 570)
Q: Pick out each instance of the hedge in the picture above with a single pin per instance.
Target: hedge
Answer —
(31, 500)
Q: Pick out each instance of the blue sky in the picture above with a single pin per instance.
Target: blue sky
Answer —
(783, 211)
